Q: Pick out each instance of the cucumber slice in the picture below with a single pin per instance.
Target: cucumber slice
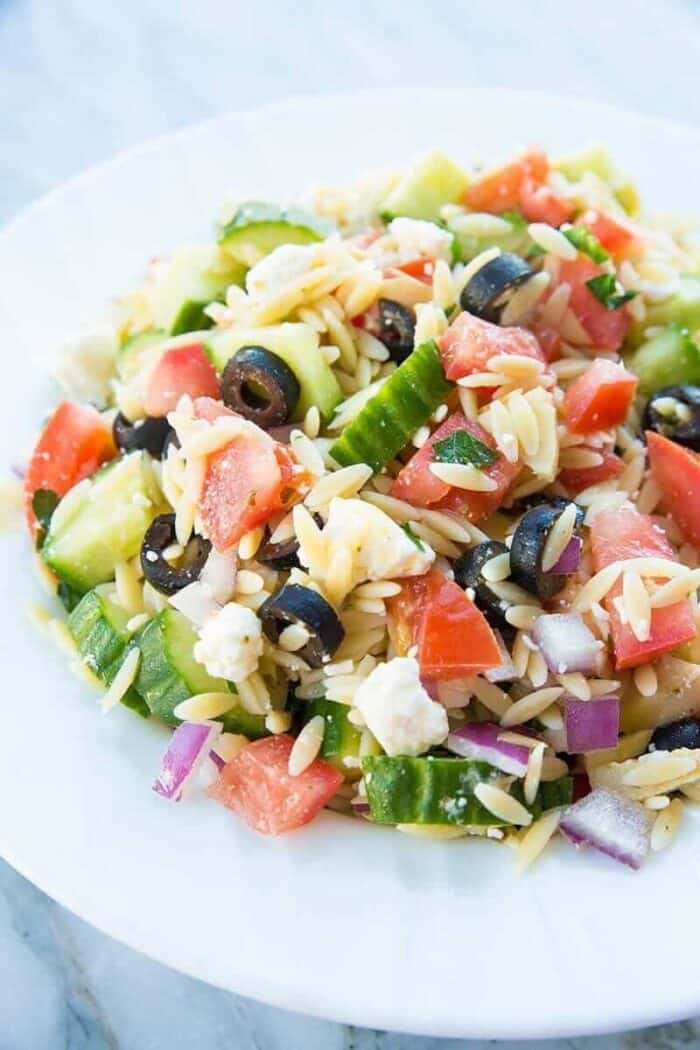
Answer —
(132, 353)
(99, 627)
(682, 309)
(441, 791)
(670, 357)
(420, 194)
(401, 405)
(168, 673)
(83, 545)
(194, 277)
(298, 346)
(257, 228)
(597, 160)
(341, 739)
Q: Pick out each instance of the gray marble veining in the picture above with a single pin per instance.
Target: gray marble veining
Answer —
(79, 81)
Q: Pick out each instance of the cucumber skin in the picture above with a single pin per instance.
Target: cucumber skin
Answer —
(341, 739)
(407, 790)
(389, 419)
(669, 357)
(191, 318)
(257, 228)
(169, 674)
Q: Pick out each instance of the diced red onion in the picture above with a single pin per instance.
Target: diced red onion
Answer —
(217, 759)
(613, 825)
(506, 671)
(570, 557)
(431, 687)
(189, 746)
(195, 601)
(19, 472)
(592, 725)
(566, 643)
(479, 740)
(360, 806)
(283, 433)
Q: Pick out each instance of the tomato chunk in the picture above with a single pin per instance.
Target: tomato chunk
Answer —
(600, 398)
(550, 341)
(72, 445)
(625, 533)
(181, 370)
(615, 237)
(469, 344)
(422, 268)
(576, 479)
(540, 204)
(453, 637)
(257, 785)
(676, 470)
(605, 328)
(246, 482)
(500, 190)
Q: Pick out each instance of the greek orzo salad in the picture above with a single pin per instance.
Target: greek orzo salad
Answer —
(389, 502)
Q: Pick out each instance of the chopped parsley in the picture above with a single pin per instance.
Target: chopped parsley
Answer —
(608, 292)
(462, 447)
(516, 219)
(44, 503)
(584, 240)
(413, 537)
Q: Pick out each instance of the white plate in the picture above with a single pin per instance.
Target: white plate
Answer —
(342, 920)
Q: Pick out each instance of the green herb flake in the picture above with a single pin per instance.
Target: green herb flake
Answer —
(607, 291)
(462, 447)
(44, 503)
(584, 240)
(515, 218)
(535, 252)
(413, 537)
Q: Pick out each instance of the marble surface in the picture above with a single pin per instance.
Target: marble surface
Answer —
(79, 81)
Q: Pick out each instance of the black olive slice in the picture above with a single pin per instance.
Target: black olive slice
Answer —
(468, 573)
(149, 434)
(683, 733)
(260, 386)
(485, 294)
(395, 326)
(296, 604)
(167, 578)
(284, 555)
(674, 412)
(527, 548)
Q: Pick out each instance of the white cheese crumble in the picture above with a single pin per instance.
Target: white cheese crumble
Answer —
(230, 643)
(278, 269)
(86, 365)
(398, 711)
(415, 237)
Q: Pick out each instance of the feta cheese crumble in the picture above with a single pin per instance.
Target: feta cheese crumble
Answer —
(278, 269)
(398, 711)
(86, 365)
(416, 237)
(230, 643)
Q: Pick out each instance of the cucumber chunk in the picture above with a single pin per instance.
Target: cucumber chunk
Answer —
(596, 159)
(298, 346)
(401, 405)
(194, 277)
(99, 627)
(682, 309)
(168, 673)
(434, 180)
(106, 526)
(669, 357)
(441, 791)
(257, 228)
(134, 350)
(341, 739)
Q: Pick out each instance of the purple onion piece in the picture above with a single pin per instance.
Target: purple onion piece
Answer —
(19, 472)
(613, 825)
(592, 725)
(566, 643)
(431, 687)
(360, 806)
(217, 759)
(570, 557)
(479, 741)
(189, 745)
(505, 672)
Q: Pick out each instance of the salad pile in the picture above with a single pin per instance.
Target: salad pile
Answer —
(390, 502)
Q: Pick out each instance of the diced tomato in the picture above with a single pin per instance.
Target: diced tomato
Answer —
(549, 340)
(600, 398)
(181, 370)
(72, 445)
(417, 484)
(676, 470)
(617, 535)
(576, 479)
(246, 482)
(605, 328)
(423, 268)
(453, 637)
(500, 190)
(613, 235)
(257, 785)
(469, 344)
(540, 204)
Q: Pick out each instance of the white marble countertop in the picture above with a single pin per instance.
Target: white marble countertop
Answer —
(79, 81)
